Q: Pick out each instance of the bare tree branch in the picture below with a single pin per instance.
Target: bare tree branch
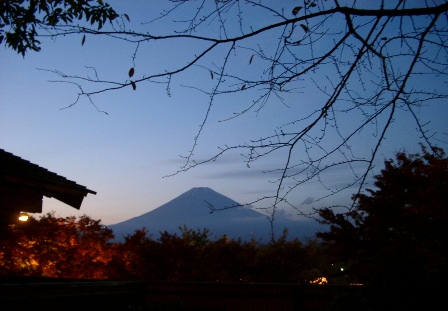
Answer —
(363, 60)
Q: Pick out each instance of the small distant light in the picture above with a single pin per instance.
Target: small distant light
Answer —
(23, 217)
(342, 269)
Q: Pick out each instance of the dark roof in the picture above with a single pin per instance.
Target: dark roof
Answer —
(22, 173)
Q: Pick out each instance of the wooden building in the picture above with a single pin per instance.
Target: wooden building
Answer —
(23, 185)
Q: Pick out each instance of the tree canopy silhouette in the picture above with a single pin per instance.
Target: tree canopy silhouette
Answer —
(81, 248)
(22, 21)
(396, 234)
(343, 71)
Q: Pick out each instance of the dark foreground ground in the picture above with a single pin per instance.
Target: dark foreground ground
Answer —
(55, 294)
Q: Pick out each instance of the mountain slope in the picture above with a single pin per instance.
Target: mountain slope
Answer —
(194, 210)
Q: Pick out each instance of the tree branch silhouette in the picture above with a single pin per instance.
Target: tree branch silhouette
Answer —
(365, 61)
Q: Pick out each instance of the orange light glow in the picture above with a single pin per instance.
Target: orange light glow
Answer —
(320, 280)
(23, 217)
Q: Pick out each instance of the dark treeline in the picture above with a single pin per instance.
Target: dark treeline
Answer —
(81, 249)
(191, 256)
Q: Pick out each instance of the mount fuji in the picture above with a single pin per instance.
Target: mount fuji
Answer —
(200, 208)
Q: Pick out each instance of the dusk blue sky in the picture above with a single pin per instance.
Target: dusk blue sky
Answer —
(124, 155)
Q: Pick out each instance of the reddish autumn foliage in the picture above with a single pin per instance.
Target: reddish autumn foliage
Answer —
(57, 247)
(81, 249)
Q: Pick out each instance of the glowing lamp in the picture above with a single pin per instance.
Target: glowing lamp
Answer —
(23, 217)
